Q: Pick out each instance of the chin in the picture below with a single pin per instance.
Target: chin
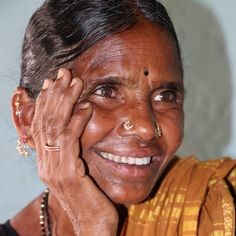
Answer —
(128, 195)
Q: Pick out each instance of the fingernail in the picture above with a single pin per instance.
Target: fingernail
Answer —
(60, 73)
(73, 82)
(84, 105)
(46, 84)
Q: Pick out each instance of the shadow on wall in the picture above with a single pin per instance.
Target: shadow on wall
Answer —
(207, 79)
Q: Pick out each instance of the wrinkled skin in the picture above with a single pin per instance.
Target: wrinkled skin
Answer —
(83, 113)
(124, 58)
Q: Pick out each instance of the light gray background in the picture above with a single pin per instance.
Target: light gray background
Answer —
(206, 29)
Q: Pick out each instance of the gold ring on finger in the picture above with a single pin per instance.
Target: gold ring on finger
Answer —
(52, 148)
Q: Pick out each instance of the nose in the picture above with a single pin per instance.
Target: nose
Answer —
(140, 123)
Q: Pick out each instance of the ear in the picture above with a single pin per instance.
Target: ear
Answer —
(23, 108)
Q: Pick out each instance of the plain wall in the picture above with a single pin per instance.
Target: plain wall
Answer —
(207, 37)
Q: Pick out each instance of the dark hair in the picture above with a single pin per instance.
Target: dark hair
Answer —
(61, 30)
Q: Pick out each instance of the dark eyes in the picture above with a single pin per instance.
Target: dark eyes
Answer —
(112, 91)
(108, 91)
(166, 96)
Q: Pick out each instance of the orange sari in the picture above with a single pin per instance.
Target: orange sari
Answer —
(195, 198)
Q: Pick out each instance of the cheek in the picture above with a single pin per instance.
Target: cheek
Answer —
(97, 128)
(172, 128)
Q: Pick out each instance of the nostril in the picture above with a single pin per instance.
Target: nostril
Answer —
(143, 143)
(146, 133)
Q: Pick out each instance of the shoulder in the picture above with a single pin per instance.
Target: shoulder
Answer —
(194, 180)
(7, 230)
(220, 169)
(204, 174)
(194, 196)
(31, 213)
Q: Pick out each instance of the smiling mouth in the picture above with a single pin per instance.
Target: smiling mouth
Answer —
(140, 161)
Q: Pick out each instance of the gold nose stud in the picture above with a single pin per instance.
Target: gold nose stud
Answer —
(128, 125)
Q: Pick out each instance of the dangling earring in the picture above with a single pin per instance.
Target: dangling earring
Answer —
(22, 146)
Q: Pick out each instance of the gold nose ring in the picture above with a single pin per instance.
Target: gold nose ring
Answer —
(128, 125)
(159, 131)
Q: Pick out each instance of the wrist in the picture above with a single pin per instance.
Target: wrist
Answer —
(105, 230)
(92, 228)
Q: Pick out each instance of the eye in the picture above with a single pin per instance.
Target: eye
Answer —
(108, 91)
(107, 95)
(166, 96)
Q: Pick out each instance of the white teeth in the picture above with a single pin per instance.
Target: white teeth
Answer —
(139, 162)
(127, 160)
(109, 156)
(131, 161)
(124, 159)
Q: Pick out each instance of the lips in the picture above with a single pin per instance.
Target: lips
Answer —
(139, 161)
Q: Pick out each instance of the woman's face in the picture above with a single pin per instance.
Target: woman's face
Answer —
(135, 76)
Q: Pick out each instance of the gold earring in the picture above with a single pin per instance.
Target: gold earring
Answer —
(17, 105)
(22, 146)
(159, 131)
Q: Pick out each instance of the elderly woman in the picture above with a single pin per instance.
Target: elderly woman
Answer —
(101, 101)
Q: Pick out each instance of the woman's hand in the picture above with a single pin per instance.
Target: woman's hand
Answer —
(59, 123)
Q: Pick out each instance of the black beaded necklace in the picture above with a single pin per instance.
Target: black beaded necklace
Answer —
(44, 218)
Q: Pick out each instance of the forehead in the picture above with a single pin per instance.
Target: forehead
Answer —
(145, 46)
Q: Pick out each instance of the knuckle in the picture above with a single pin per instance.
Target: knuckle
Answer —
(67, 134)
(79, 120)
(65, 97)
(52, 130)
(62, 179)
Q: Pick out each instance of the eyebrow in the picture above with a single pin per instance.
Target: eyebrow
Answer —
(90, 84)
(177, 86)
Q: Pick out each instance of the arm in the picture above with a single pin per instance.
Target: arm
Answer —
(57, 124)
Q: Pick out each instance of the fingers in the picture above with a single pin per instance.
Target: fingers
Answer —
(66, 103)
(56, 125)
(60, 170)
(38, 125)
(60, 103)
(70, 147)
(68, 162)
